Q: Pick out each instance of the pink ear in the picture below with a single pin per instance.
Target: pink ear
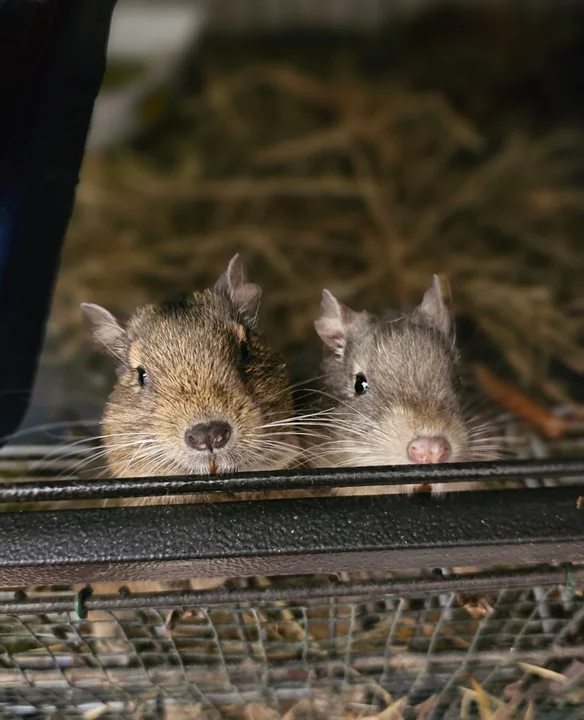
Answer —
(333, 322)
(331, 333)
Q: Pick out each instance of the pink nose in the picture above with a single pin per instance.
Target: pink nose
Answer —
(429, 450)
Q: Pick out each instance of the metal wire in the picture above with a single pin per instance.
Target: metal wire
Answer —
(85, 601)
(221, 659)
(21, 492)
(312, 648)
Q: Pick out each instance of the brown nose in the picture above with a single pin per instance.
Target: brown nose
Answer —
(208, 436)
(429, 450)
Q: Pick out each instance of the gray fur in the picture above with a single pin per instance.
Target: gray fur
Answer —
(413, 374)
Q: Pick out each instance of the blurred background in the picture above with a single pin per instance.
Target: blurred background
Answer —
(350, 144)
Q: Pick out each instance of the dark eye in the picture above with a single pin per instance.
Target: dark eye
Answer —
(142, 376)
(361, 384)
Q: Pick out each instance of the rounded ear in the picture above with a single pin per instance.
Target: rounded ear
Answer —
(333, 323)
(244, 295)
(107, 331)
(434, 307)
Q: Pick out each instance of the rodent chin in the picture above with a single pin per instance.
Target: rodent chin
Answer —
(153, 454)
(399, 437)
(163, 461)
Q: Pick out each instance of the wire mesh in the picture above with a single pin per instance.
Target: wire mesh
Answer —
(415, 654)
(352, 658)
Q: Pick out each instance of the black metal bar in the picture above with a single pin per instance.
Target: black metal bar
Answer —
(463, 583)
(290, 480)
(239, 539)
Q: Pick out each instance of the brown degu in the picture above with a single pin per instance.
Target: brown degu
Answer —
(395, 385)
(198, 389)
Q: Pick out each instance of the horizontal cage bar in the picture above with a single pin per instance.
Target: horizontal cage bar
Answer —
(231, 539)
(456, 582)
(57, 490)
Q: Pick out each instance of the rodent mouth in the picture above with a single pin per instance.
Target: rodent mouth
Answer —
(212, 463)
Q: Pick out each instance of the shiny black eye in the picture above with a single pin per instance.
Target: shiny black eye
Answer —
(361, 384)
(142, 376)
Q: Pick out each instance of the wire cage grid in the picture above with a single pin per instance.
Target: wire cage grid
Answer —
(425, 637)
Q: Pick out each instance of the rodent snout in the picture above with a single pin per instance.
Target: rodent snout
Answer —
(208, 436)
(429, 450)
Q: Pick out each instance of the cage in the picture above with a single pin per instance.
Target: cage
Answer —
(383, 606)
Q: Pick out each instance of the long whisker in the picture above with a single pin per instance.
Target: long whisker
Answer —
(48, 426)
(80, 446)
(104, 451)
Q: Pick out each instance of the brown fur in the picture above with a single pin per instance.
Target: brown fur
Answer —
(191, 352)
(204, 360)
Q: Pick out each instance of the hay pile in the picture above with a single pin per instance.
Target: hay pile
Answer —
(518, 703)
(362, 186)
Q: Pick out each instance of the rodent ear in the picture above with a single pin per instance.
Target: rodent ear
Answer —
(244, 295)
(247, 300)
(107, 331)
(434, 306)
(333, 322)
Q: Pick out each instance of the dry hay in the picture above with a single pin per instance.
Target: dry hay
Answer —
(362, 186)
(519, 702)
